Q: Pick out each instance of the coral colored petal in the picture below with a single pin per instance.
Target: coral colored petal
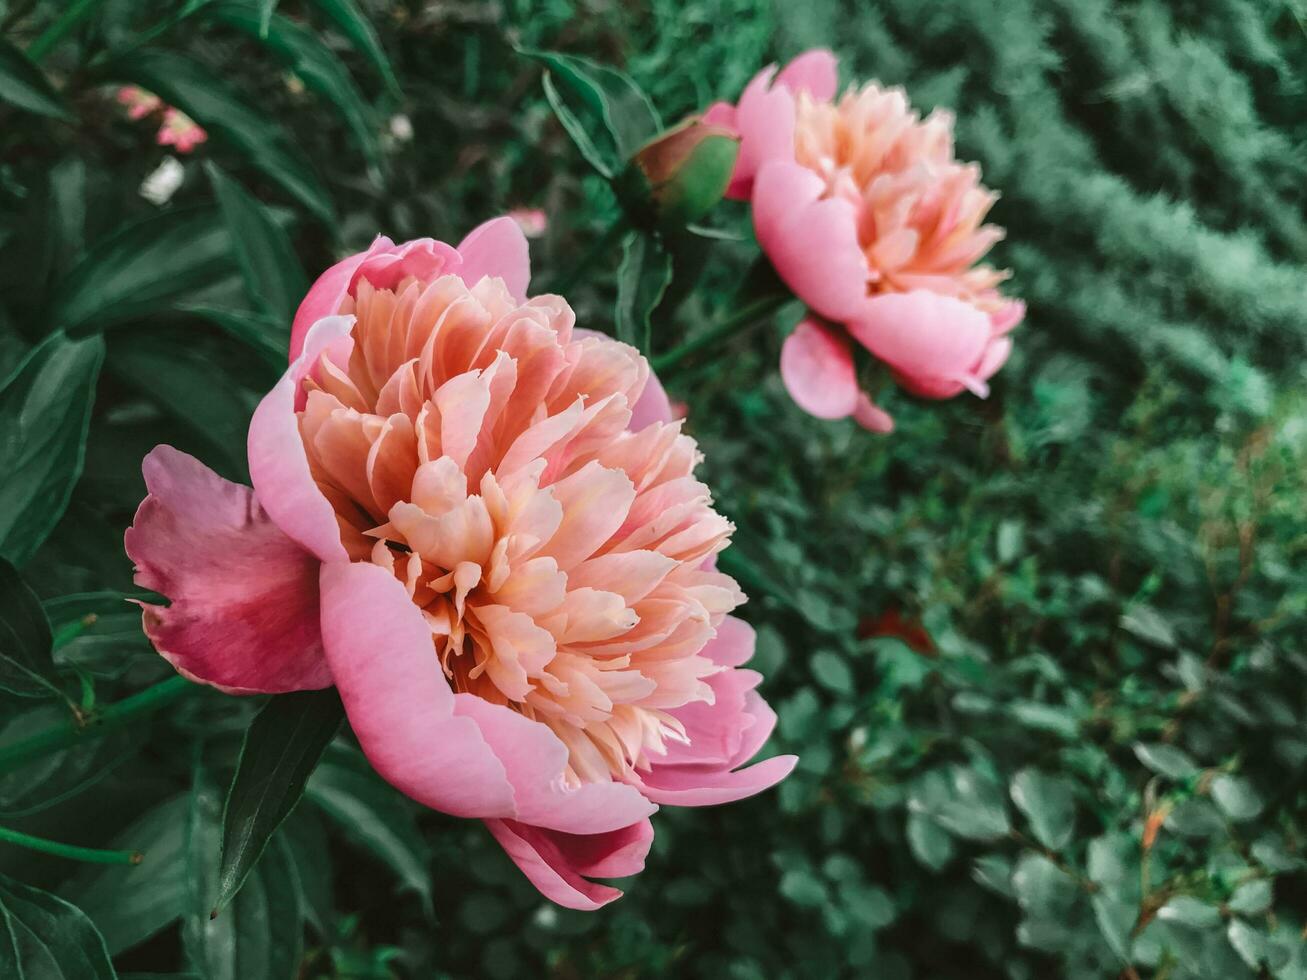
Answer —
(871, 416)
(535, 758)
(689, 786)
(397, 699)
(812, 242)
(555, 862)
(923, 334)
(815, 72)
(817, 368)
(497, 247)
(244, 597)
(327, 293)
(279, 468)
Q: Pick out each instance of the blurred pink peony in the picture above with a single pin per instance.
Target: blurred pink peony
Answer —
(457, 521)
(139, 102)
(181, 131)
(865, 213)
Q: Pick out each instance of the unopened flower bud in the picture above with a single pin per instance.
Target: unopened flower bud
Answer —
(687, 169)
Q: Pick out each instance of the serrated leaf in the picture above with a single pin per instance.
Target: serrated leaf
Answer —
(131, 903)
(274, 279)
(373, 815)
(45, 410)
(26, 664)
(23, 84)
(281, 749)
(304, 53)
(603, 110)
(207, 99)
(143, 268)
(351, 22)
(47, 938)
(1048, 803)
(1165, 760)
(644, 276)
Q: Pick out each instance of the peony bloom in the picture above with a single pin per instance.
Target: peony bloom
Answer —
(482, 527)
(181, 131)
(865, 213)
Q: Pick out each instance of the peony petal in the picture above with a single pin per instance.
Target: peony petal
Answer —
(535, 759)
(555, 862)
(653, 405)
(815, 72)
(327, 293)
(399, 704)
(923, 335)
(497, 248)
(811, 241)
(733, 645)
(817, 368)
(279, 468)
(244, 597)
(687, 786)
(871, 416)
(764, 119)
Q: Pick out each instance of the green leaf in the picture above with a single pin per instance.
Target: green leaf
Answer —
(1166, 760)
(144, 268)
(42, 937)
(373, 815)
(1236, 797)
(309, 58)
(963, 800)
(23, 84)
(644, 276)
(1252, 897)
(281, 749)
(268, 338)
(206, 98)
(1250, 944)
(266, 9)
(603, 110)
(803, 888)
(1148, 624)
(1048, 803)
(930, 844)
(351, 22)
(1115, 919)
(45, 410)
(131, 903)
(26, 666)
(274, 279)
(831, 672)
(98, 632)
(1189, 911)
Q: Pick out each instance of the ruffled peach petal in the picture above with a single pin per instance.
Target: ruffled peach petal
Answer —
(243, 597)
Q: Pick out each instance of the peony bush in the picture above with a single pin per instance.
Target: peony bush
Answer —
(379, 610)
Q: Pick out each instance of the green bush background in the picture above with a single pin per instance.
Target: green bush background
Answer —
(1094, 769)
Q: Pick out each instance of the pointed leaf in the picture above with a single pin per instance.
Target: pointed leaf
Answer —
(26, 666)
(23, 84)
(351, 22)
(274, 279)
(47, 937)
(644, 276)
(281, 750)
(45, 409)
(1048, 804)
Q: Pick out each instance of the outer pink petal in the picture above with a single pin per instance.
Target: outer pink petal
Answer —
(817, 368)
(653, 405)
(693, 786)
(815, 72)
(733, 645)
(497, 247)
(279, 469)
(244, 597)
(764, 118)
(535, 759)
(923, 336)
(397, 699)
(811, 242)
(871, 416)
(555, 862)
(328, 292)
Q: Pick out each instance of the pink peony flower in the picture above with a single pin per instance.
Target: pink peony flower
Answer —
(181, 131)
(139, 102)
(865, 213)
(482, 527)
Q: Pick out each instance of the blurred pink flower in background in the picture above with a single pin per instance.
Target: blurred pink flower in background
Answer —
(867, 216)
(139, 102)
(181, 131)
(532, 221)
(482, 527)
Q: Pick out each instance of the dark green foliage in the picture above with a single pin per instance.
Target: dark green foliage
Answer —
(1042, 656)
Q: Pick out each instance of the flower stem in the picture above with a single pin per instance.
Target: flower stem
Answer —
(115, 716)
(605, 243)
(94, 855)
(56, 32)
(746, 316)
